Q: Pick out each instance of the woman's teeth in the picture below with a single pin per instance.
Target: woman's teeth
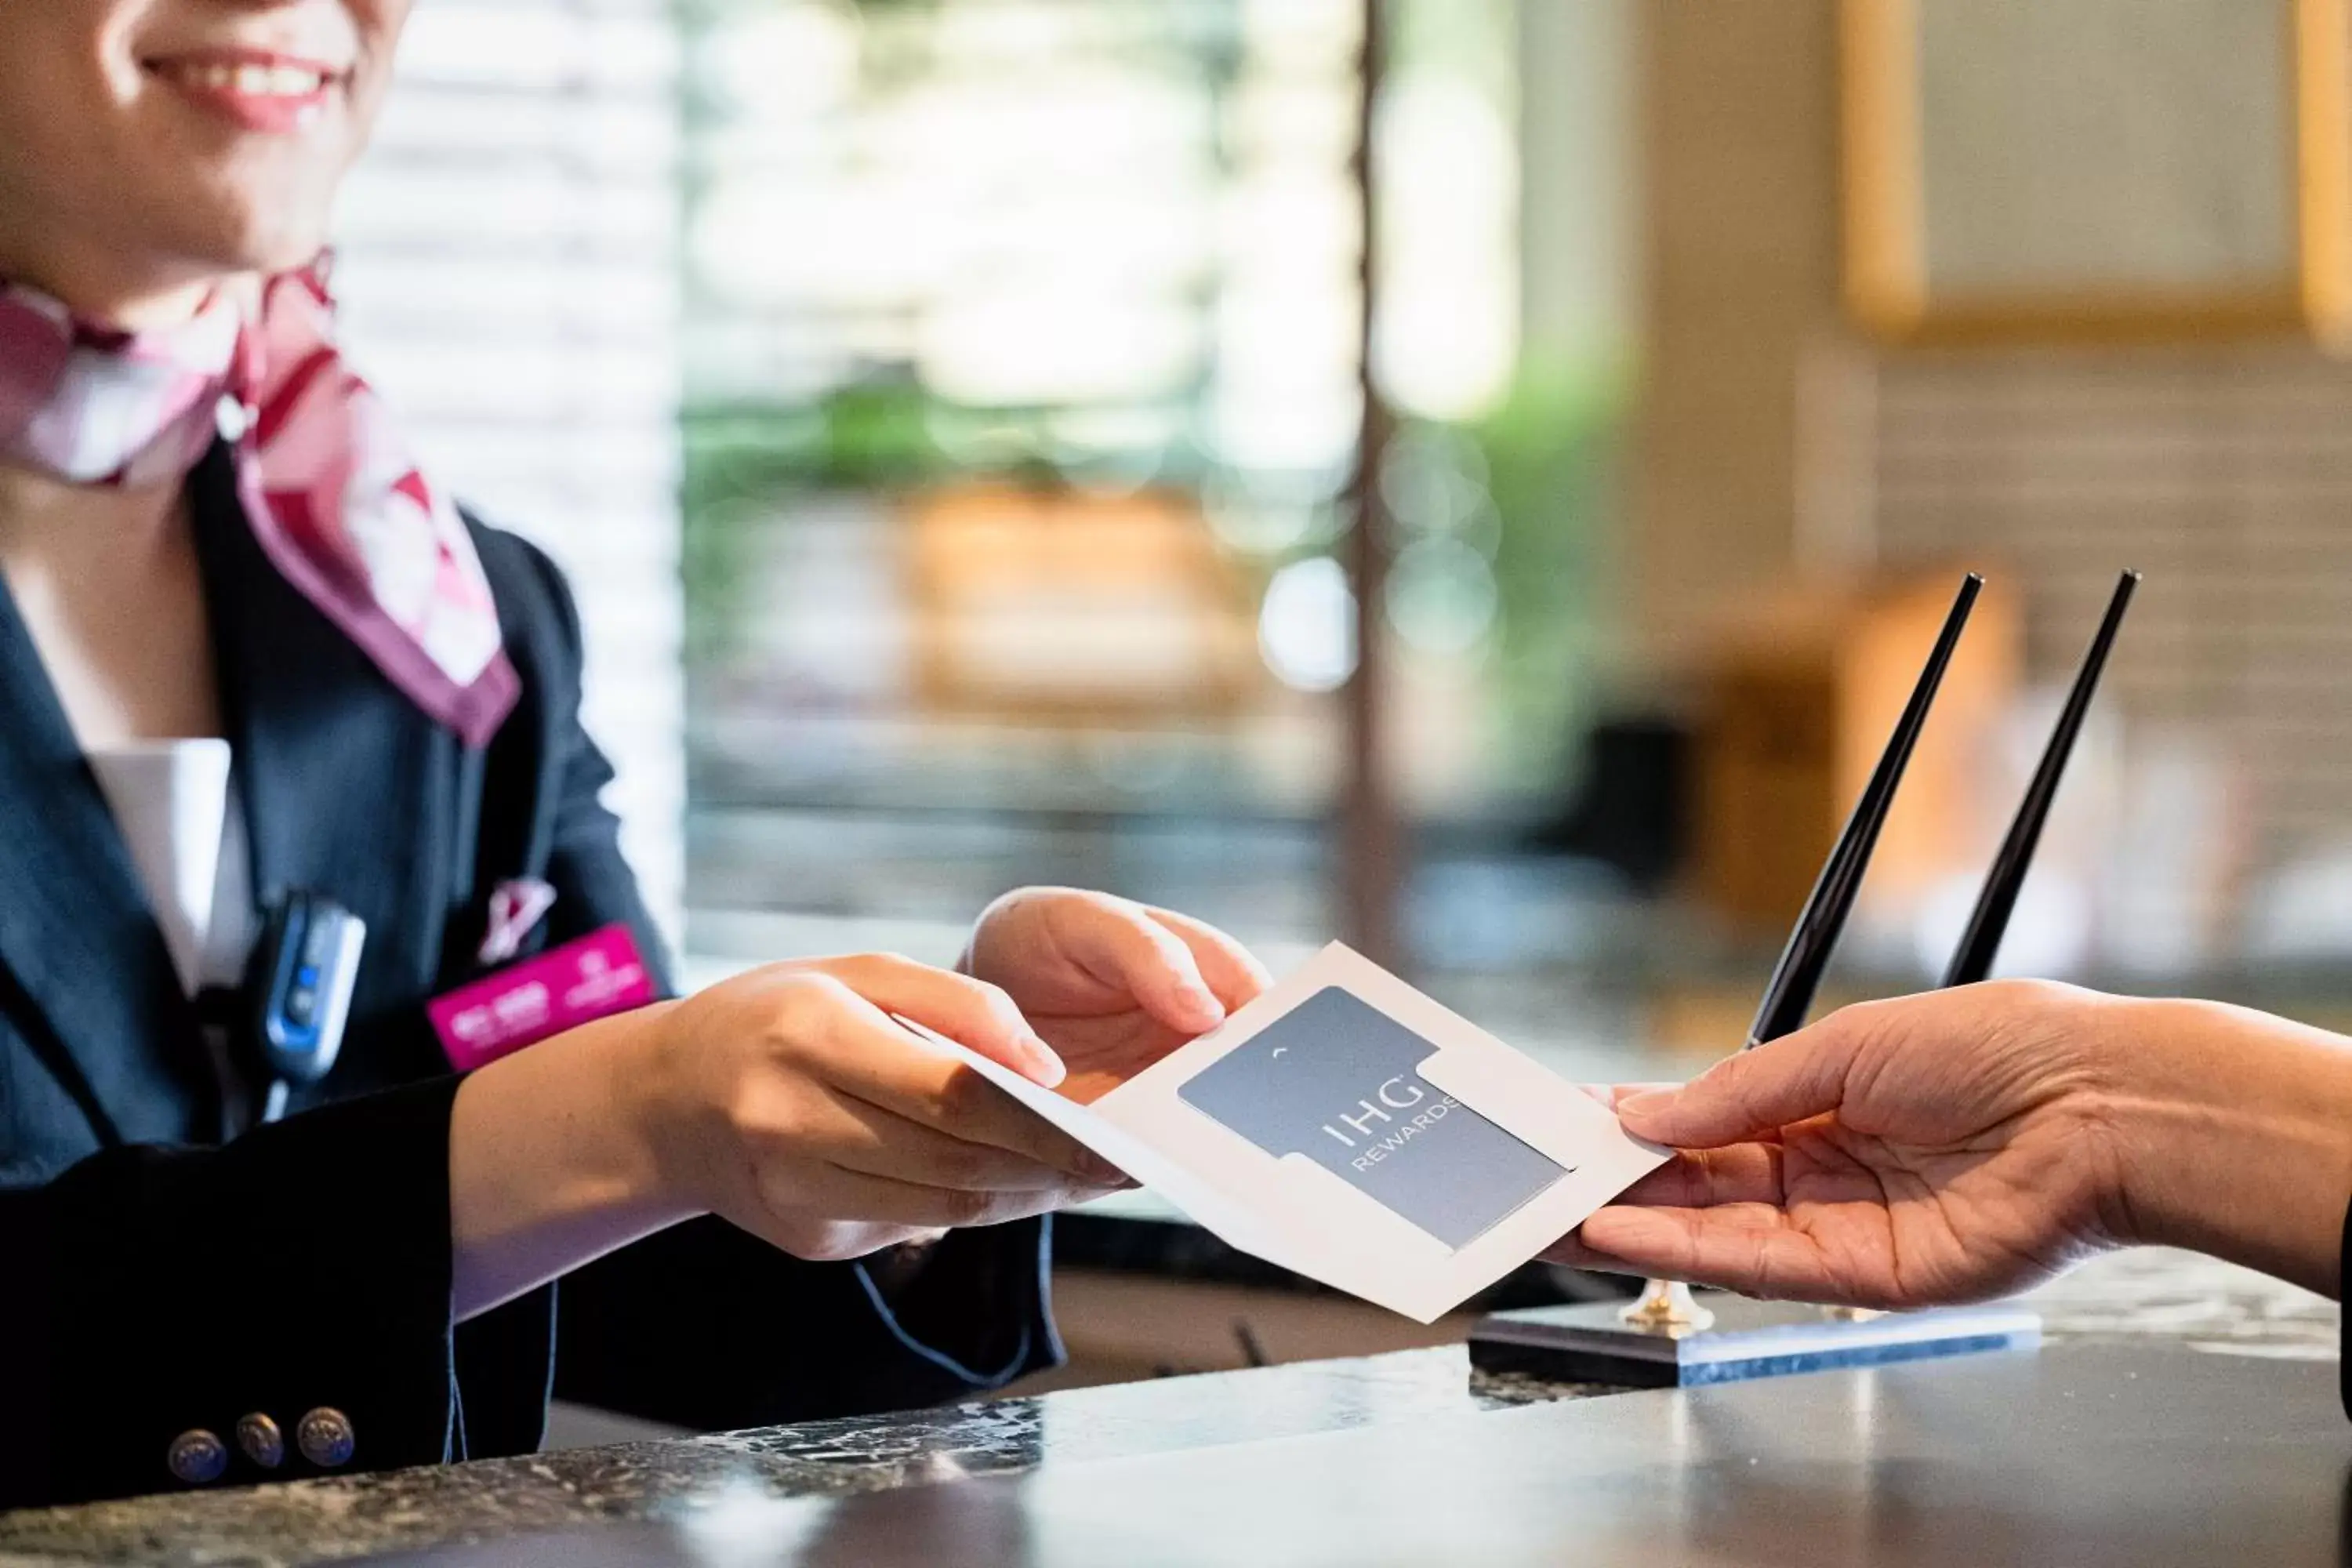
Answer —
(253, 81)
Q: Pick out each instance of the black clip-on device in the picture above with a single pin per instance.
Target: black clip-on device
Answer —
(298, 990)
(1666, 1338)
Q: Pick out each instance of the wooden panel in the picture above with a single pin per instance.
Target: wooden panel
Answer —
(1799, 700)
(1738, 141)
(2016, 170)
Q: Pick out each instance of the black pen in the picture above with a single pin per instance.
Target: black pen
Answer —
(1980, 943)
(1789, 995)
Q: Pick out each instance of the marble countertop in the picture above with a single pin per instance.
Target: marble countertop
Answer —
(2172, 1297)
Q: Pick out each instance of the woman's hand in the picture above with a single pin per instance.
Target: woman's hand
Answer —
(1111, 984)
(784, 1099)
(1965, 1143)
(787, 1101)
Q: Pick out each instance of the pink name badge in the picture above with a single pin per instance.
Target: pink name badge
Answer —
(594, 977)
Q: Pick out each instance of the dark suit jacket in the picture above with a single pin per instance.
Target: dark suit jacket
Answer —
(151, 1282)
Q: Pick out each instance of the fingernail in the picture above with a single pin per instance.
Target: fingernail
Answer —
(1202, 1002)
(1046, 1064)
(1649, 1103)
(1094, 1168)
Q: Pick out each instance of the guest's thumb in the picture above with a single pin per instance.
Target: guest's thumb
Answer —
(1746, 1095)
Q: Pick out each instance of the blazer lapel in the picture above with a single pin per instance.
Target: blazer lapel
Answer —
(75, 928)
(348, 788)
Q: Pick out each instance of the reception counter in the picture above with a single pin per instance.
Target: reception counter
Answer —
(2136, 1410)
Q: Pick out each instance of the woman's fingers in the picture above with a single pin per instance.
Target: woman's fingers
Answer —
(1693, 1179)
(970, 1012)
(829, 1240)
(1708, 1178)
(1612, 1094)
(1123, 946)
(887, 1201)
(1231, 971)
(867, 1057)
(1745, 1097)
(879, 1143)
(1570, 1251)
(1749, 1248)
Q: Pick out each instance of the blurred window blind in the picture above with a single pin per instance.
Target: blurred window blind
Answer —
(2223, 473)
(507, 266)
(1134, 215)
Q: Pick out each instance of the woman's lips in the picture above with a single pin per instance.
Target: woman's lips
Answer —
(252, 88)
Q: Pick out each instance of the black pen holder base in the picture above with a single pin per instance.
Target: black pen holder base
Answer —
(1594, 1343)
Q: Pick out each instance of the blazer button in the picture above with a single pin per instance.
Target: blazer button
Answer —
(263, 1443)
(196, 1457)
(325, 1437)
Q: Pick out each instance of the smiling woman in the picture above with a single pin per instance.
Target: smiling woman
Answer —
(266, 687)
(149, 147)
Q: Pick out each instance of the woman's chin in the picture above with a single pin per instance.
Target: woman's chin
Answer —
(229, 233)
(231, 203)
(158, 276)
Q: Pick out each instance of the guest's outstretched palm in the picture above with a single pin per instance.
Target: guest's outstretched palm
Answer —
(1939, 1148)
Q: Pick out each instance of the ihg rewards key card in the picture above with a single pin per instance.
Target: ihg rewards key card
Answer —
(1347, 1127)
(1340, 1082)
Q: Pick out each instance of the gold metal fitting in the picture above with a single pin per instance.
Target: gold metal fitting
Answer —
(1667, 1308)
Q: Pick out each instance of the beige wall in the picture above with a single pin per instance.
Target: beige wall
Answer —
(1738, 139)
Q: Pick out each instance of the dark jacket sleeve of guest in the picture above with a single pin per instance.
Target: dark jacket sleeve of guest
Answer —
(702, 1325)
(146, 1292)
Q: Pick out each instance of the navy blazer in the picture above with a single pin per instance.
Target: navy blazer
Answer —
(153, 1280)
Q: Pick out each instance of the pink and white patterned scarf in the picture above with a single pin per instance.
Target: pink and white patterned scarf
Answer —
(335, 498)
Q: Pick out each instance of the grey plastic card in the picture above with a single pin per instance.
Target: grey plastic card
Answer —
(1338, 1081)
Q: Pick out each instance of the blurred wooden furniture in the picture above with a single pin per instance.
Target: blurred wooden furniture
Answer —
(1797, 694)
(1078, 607)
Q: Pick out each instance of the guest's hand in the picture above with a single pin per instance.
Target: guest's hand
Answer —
(1965, 1143)
(1111, 984)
